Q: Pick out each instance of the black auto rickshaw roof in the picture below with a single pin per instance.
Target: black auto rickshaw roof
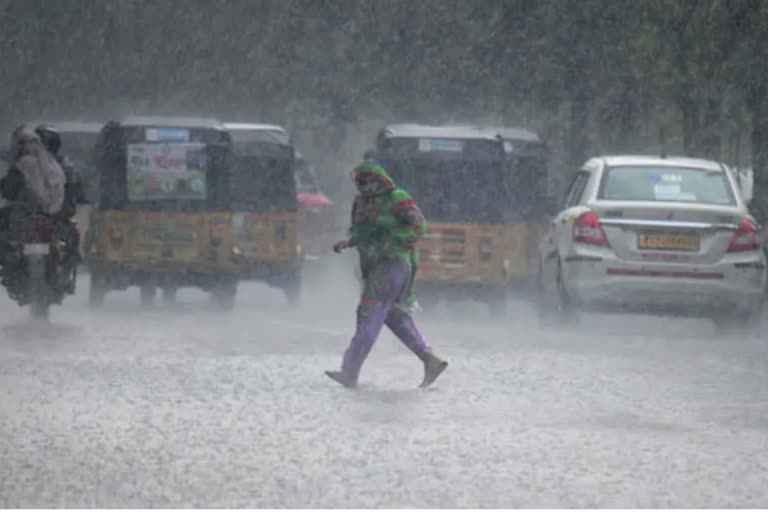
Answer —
(516, 133)
(171, 121)
(446, 142)
(93, 127)
(418, 131)
(251, 139)
(202, 129)
(522, 142)
(261, 132)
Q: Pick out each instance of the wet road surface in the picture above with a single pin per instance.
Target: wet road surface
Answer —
(183, 406)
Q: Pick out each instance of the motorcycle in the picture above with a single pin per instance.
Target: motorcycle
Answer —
(34, 271)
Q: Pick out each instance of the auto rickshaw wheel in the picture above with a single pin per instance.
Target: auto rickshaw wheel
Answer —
(169, 294)
(97, 290)
(498, 307)
(292, 290)
(147, 293)
(224, 294)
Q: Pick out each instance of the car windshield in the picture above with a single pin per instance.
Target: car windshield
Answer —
(676, 184)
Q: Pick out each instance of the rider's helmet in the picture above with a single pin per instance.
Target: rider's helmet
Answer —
(50, 138)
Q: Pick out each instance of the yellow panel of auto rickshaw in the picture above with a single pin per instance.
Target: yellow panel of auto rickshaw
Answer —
(264, 192)
(164, 202)
(169, 239)
(269, 237)
(465, 253)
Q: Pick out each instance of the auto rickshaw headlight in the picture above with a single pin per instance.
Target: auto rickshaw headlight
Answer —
(116, 237)
(280, 232)
(485, 248)
(215, 239)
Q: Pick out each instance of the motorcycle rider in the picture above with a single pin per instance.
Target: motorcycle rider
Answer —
(74, 193)
(34, 181)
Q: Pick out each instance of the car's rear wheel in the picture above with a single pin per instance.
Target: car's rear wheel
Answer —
(553, 307)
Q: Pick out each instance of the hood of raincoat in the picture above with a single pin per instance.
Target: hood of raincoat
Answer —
(372, 179)
(43, 175)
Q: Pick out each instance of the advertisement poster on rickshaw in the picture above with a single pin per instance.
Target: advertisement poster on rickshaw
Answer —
(173, 171)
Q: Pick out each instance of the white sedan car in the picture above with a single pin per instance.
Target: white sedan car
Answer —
(653, 235)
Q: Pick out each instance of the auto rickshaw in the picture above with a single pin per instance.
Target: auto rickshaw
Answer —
(163, 217)
(265, 206)
(317, 225)
(527, 167)
(458, 175)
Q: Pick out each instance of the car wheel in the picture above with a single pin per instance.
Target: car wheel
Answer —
(744, 324)
(553, 308)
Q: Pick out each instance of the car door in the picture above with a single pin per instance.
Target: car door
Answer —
(572, 207)
(557, 230)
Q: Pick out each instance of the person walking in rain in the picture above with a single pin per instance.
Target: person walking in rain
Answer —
(386, 223)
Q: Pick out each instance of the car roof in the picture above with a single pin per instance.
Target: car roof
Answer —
(439, 132)
(657, 161)
(171, 121)
(73, 126)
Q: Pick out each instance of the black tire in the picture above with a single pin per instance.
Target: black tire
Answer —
(38, 293)
(169, 294)
(553, 307)
(292, 291)
(147, 292)
(39, 305)
(745, 324)
(224, 295)
(97, 290)
(498, 305)
(39, 310)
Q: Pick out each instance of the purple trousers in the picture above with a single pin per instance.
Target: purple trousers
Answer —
(383, 303)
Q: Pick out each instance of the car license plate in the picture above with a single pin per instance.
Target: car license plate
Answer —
(36, 249)
(668, 241)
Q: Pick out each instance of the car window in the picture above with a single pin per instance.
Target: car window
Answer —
(678, 184)
(576, 189)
